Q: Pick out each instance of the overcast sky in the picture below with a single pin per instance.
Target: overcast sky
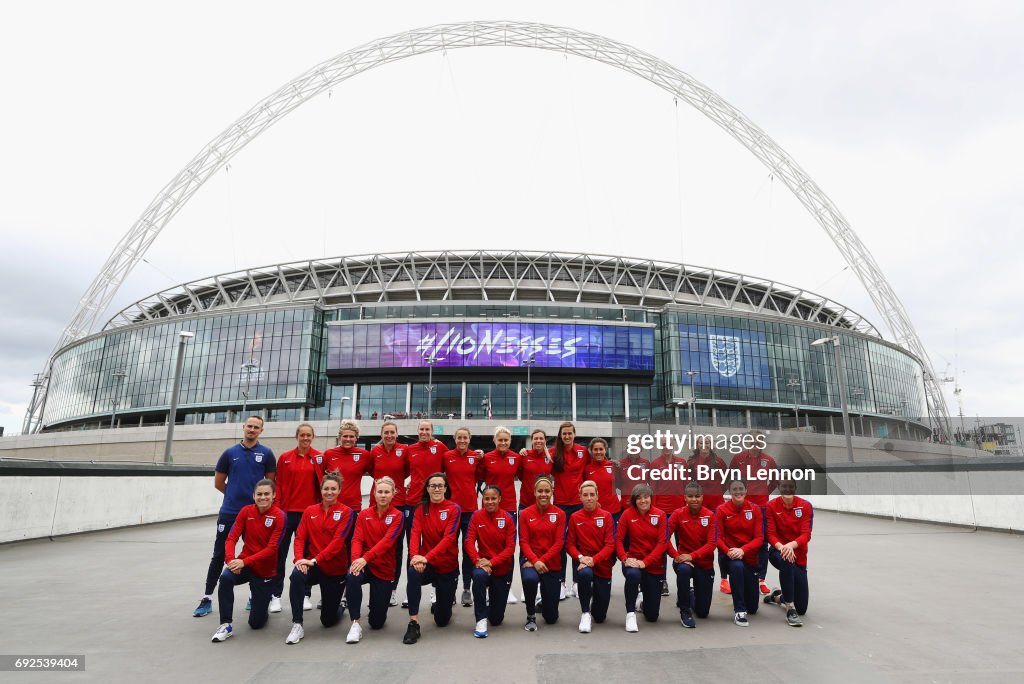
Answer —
(909, 115)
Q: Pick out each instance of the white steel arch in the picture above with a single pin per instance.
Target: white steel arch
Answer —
(214, 155)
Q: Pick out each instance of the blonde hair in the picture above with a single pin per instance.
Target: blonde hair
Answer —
(384, 480)
(502, 429)
(348, 425)
(589, 483)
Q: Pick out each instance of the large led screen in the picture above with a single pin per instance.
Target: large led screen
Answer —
(463, 344)
(724, 357)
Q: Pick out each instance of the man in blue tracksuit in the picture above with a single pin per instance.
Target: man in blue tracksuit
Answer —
(238, 470)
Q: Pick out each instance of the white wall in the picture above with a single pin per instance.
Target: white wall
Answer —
(994, 511)
(34, 506)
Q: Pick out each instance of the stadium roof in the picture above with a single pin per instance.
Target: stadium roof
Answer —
(485, 276)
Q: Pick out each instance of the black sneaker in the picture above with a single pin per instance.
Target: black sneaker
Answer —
(793, 618)
(741, 620)
(664, 587)
(686, 618)
(531, 623)
(412, 633)
(774, 598)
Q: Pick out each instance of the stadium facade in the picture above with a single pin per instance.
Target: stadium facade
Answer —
(510, 336)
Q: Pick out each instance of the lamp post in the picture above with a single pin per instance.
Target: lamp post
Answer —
(248, 367)
(343, 400)
(693, 398)
(183, 337)
(794, 384)
(431, 360)
(529, 386)
(834, 341)
(120, 374)
(859, 393)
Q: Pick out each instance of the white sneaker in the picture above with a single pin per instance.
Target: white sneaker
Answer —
(394, 598)
(275, 604)
(585, 623)
(511, 599)
(562, 592)
(223, 633)
(355, 633)
(640, 603)
(575, 592)
(433, 596)
(480, 631)
(306, 605)
(295, 636)
(631, 623)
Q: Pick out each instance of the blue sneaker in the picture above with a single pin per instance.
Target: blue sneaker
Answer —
(686, 618)
(481, 629)
(204, 608)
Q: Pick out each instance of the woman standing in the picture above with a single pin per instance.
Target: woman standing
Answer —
(320, 557)
(591, 544)
(601, 472)
(390, 459)
(433, 554)
(373, 553)
(260, 526)
(568, 462)
(640, 543)
(704, 455)
(499, 468)
(740, 539)
(541, 536)
(461, 466)
(298, 488)
(350, 462)
(790, 520)
(490, 546)
(533, 463)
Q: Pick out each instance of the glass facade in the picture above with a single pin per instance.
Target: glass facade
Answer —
(739, 370)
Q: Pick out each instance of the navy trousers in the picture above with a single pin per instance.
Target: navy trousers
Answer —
(331, 587)
(495, 587)
(701, 581)
(550, 588)
(595, 594)
(259, 587)
(446, 583)
(638, 580)
(793, 580)
(743, 580)
(225, 521)
(380, 597)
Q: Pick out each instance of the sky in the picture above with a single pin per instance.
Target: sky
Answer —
(909, 115)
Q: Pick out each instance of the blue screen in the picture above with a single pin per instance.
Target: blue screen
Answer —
(724, 357)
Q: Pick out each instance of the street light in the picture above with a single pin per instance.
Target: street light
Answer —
(248, 367)
(529, 387)
(794, 384)
(183, 337)
(120, 374)
(834, 341)
(431, 360)
(343, 400)
(693, 398)
(859, 393)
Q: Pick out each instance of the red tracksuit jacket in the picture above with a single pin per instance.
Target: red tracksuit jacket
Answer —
(593, 534)
(492, 537)
(351, 464)
(567, 482)
(625, 482)
(531, 465)
(668, 494)
(435, 535)
(696, 535)
(713, 497)
(374, 540)
(393, 464)
(298, 480)
(461, 470)
(757, 490)
(542, 535)
(647, 536)
(499, 469)
(424, 460)
(261, 533)
(603, 474)
(791, 524)
(322, 534)
(740, 528)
